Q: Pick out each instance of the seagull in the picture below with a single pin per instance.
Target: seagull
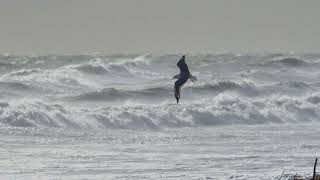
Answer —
(182, 77)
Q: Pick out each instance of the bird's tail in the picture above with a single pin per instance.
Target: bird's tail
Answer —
(193, 78)
(177, 93)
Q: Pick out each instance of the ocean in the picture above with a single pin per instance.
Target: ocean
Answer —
(94, 116)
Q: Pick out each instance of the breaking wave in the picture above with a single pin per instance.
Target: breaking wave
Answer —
(220, 110)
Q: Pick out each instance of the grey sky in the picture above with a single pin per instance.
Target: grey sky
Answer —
(159, 26)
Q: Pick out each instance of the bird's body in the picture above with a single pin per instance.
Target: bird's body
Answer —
(182, 77)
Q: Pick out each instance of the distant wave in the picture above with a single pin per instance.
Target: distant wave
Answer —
(112, 94)
(23, 72)
(289, 62)
(59, 76)
(16, 86)
(123, 68)
(314, 99)
(295, 84)
(149, 94)
(219, 86)
(92, 69)
(205, 89)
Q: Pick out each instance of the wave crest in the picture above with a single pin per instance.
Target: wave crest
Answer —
(220, 110)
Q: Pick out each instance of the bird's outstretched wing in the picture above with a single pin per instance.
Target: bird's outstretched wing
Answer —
(183, 66)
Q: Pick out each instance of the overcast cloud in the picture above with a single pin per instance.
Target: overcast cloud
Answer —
(162, 26)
